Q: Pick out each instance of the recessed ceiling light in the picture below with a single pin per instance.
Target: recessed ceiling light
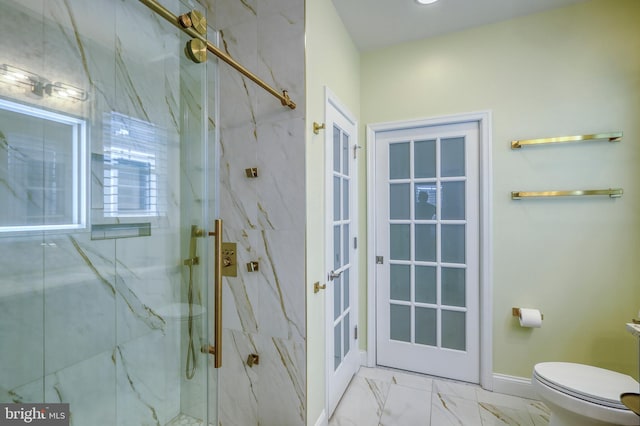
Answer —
(426, 1)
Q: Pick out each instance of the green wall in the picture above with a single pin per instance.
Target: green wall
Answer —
(569, 71)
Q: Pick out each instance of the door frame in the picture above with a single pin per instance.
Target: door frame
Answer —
(332, 101)
(483, 118)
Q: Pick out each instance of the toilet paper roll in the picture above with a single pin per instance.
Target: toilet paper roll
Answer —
(530, 318)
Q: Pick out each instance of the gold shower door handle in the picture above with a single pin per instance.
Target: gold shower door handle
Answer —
(217, 293)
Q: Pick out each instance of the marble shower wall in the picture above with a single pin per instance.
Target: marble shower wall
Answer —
(264, 311)
(97, 323)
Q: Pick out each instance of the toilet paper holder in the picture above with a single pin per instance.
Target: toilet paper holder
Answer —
(516, 313)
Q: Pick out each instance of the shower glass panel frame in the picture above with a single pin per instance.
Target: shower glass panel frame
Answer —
(102, 311)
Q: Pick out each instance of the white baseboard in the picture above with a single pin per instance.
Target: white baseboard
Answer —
(364, 359)
(513, 385)
(322, 419)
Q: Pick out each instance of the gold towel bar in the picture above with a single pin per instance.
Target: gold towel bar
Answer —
(613, 193)
(611, 137)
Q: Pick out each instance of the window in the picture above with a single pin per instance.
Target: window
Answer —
(135, 156)
(42, 169)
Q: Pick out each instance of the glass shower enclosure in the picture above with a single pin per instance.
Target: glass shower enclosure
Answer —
(107, 200)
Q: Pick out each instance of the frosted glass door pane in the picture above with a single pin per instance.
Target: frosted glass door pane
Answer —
(345, 245)
(400, 282)
(453, 196)
(453, 244)
(336, 198)
(345, 154)
(425, 242)
(337, 303)
(424, 159)
(425, 206)
(337, 346)
(426, 326)
(336, 149)
(453, 287)
(345, 199)
(400, 238)
(345, 335)
(345, 287)
(337, 243)
(400, 318)
(399, 201)
(452, 161)
(399, 160)
(426, 284)
(453, 330)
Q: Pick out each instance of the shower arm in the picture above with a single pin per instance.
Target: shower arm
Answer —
(173, 19)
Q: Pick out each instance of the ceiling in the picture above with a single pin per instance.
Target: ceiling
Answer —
(374, 24)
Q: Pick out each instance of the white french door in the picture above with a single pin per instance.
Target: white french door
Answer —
(427, 250)
(341, 293)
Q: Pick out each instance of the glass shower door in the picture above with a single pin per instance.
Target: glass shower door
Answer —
(107, 190)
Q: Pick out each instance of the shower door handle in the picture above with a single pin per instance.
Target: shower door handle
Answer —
(217, 293)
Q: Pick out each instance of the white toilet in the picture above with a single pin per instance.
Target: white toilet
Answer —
(582, 395)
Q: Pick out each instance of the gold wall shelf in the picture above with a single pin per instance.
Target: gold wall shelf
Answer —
(613, 193)
(610, 137)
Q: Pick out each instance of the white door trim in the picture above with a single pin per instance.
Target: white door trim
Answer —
(483, 118)
(331, 100)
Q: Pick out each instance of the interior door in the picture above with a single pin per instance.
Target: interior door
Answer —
(341, 300)
(427, 275)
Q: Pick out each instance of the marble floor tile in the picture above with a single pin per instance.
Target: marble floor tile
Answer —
(493, 415)
(453, 410)
(406, 406)
(411, 380)
(387, 397)
(362, 403)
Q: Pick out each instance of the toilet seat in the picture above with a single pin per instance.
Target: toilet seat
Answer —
(585, 382)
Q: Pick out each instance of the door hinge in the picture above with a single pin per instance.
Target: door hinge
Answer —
(355, 243)
(355, 332)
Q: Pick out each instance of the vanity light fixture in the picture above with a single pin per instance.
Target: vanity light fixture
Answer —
(39, 85)
(426, 1)
(66, 91)
(17, 76)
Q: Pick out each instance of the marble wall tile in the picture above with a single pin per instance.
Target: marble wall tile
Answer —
(238, 402)
(88, 387)
(21, 330)
(281, 309)
(280, 188)
(238, 193)
(122, 282)
(281, 58)
(281, 383)
(80, 296)
(237, 93)
(230, 13)
(267, 213)
(148, 379)
(241, 294)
